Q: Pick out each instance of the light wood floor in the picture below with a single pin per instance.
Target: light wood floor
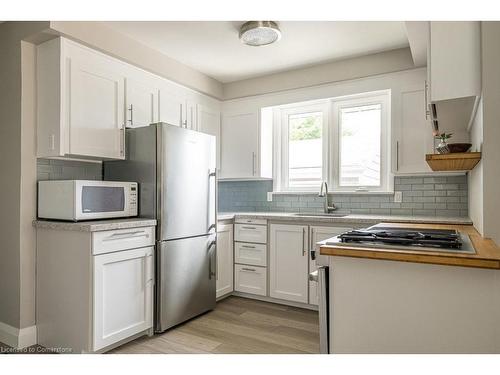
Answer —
(237, 325)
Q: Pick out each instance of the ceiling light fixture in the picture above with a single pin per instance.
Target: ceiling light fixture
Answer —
(259, 33)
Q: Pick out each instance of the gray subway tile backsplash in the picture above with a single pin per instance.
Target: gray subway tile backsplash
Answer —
(54, 169)
(428, 196)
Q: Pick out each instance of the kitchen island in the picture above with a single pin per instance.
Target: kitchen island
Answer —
(402, 301)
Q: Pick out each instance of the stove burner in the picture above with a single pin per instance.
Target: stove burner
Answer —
(440, 238)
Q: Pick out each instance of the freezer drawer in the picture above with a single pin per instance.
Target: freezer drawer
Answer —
(186, 273)
(250, 279)
(250, 233)
(250, 253)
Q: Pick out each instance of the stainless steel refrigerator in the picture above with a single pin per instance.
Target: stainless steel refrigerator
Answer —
(175, 169)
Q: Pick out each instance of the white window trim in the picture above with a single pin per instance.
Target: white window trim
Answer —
(368, 99)
(280, 170)
(331, 143)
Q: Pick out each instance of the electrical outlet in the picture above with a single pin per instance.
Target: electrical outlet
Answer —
(269, 196)
(398, 196)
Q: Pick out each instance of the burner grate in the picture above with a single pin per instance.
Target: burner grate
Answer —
(404, 236)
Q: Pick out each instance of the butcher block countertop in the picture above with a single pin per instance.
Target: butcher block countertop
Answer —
(487, 252)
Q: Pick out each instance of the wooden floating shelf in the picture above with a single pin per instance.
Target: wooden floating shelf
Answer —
(459, 161)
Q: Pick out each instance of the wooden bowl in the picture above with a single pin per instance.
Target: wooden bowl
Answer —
(459, 147)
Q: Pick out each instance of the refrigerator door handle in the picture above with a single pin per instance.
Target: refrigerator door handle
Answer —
(212, 271)
(211, 225)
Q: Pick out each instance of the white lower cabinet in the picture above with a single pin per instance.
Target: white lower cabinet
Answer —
(224, 279)
(289, 262)
(123, 295)
(317, 234)
(91, 297)
(250, 279)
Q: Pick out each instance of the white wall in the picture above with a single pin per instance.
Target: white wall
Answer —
(398, 83)
(348, 69)
(17, 166)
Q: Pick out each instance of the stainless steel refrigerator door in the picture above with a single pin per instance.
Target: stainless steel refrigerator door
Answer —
(185, 279)
(186, 182)
(321, 277)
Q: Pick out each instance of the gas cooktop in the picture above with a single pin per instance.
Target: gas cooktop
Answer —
(379, 236)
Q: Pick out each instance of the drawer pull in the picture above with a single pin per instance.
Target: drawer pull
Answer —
(248, 269)
(253, 228)
(248, 246)
(126, 236)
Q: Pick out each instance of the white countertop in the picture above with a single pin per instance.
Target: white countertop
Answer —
(94, 225)
(351, 218)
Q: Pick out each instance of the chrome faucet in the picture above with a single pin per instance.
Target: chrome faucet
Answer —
(324, 193)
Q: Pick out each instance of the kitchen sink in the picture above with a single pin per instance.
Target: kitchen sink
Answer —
(320, 215)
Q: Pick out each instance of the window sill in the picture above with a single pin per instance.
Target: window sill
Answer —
(354, 192)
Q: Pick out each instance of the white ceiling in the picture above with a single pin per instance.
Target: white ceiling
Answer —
(213, 47)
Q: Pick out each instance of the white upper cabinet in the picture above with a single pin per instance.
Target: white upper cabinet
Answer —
(288, 262)
(80, 102)
(85, 99)
(240, 145)
(141, 100)
(209, 123)
(172, 103)
(454, 60)
(413, 133)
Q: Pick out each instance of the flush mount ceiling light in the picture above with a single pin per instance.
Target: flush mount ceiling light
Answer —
(259, 33)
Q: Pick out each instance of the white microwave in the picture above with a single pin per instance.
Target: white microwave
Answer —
(77, 200)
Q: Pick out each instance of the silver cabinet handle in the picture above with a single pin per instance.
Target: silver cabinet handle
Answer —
(248, 246)
(426, 100)
(311, 239)
(180, 115)
(253, 163)
(303, 241)
(248, 269)
(253, 228)
(126, 236)
(397, 155)
(131, 110)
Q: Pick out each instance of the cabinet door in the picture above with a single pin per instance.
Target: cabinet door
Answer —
(96, 95)
(172, 107)
(123, 291)
(190, 116)
(224, 280)
(142, 102)
(239, 145)
(209, 123)
(414, 134)
(289, 262)
(317, 234)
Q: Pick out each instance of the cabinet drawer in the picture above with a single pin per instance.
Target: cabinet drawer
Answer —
(250, 233)
(250, 253)
(250, 279)
(243, 220)
(122, 239)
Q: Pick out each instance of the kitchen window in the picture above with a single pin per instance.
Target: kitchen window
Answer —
(340, 140)
(303, 140)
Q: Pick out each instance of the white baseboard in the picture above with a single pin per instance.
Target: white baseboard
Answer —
(17, 338)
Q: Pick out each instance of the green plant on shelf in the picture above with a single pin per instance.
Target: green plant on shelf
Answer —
(443, 136)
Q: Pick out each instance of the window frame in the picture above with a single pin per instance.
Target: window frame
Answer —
(281, 116)
(331, 142)
(374, 98)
